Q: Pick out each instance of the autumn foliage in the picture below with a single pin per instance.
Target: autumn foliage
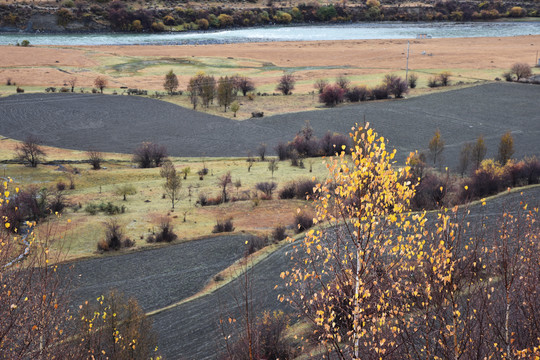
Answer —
(377, 281)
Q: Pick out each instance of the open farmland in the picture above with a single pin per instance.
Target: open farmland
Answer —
(165, 276)
(120, 123)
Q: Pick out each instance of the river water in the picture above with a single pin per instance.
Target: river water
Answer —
(357, 31)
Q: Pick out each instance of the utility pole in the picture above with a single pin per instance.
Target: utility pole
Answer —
(407, 67)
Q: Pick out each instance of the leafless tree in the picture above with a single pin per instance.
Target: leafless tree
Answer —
(101, 83)
(29, 151)
(95, 158)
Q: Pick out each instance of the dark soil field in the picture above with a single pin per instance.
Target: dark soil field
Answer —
(120, 123)
(165, 276)
(158, 277)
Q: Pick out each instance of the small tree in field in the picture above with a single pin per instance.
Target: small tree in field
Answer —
(30, 151)
(171, 82)
(101, 83)
(436, 147)
(125, 190)
(521, 70)
(343, 82)
(413, 79)
(243, 84)
(465, 158)
(95, 158)
(273, 166)
(235, 106)
(225, 92)
(286, 84)
(506, 148)
(173, 183)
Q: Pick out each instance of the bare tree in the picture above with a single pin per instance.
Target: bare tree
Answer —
(95, 158)
(521, 70)
(320, 84)
(149, 155)
(29, 151)
(223, 182)
(262, 151)
(244, 84)
(286, 84)
(72, 82)
(343, 82)
(101, 83)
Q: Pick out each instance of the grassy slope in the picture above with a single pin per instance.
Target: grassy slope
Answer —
(145, 209)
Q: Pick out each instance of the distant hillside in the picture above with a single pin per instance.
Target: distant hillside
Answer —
(158, 16)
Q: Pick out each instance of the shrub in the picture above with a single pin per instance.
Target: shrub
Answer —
(267, 188)
(517, 11)
(223, 226)
(413, 78)
(332, 95)
(444, 78)
(288, 191)
(303, 222)
(281, 150)
(279, 233)
(358, 93)
(149, 155)
(304, 188)
(60, 186)
(379, 92)
(508, 76)
(433, 82)
(330, 144)
(115, 238)
(256, 243)
(203, 199)
(25, 43)
(165, 233)
(429, 194)
(20, 90)
(395, 85)
(158, 26)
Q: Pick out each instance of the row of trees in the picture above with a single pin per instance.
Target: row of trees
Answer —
(204, 89)
(332, 95)
(472, 153)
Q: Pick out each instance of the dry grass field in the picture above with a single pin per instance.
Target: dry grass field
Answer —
(363, 61)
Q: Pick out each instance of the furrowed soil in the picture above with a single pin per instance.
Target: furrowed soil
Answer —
(121, 123)
(165, 276)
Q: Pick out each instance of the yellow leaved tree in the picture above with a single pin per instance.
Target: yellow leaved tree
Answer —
(349, 278)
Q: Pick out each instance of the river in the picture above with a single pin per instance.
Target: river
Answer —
(357, 31)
